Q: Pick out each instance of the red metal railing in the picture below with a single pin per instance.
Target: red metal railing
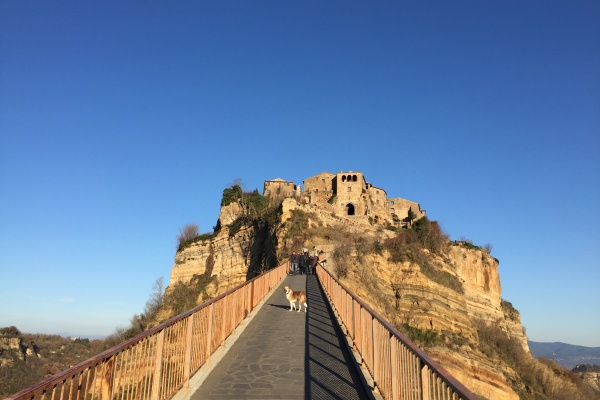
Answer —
(157, 363)
(399, 368)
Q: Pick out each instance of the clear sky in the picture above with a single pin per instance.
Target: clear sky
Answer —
(120, 122)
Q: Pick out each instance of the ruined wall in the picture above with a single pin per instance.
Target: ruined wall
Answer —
(376, 200)
(279, 188)
(400, 207)
(319, 188)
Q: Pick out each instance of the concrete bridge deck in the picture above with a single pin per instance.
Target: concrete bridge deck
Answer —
(287, 355)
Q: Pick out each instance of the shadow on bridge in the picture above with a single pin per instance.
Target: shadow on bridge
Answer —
(330, 372)
(287, 355)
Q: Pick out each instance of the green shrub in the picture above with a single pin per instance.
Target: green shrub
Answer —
(298, 223)
(467, 244)
(423, 338)
(184, 295)
(231, 194)
(430, 235)
(237, 224)
(199, 238)
(442, 277)
(341, 256)
(10, 332)
(254, 201)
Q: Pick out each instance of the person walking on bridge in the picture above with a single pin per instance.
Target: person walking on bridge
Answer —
(293, 263)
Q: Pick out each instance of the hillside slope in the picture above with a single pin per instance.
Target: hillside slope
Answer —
(445, 296)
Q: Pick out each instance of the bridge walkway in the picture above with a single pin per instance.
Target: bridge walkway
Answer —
(287, 355)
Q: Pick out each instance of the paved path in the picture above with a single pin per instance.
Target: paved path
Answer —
(287, 355)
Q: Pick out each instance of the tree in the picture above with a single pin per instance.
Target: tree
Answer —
(411, 216)
(186, 234)
(156, 300)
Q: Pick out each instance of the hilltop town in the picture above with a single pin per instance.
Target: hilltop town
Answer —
(348, 194)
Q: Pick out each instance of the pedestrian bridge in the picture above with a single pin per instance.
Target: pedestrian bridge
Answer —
(246, 344)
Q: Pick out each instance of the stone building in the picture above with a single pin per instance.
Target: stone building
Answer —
(348, 194)
(280, 188)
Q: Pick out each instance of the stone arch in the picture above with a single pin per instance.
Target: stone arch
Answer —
(354, 178)
(343, 178)
(350, 209)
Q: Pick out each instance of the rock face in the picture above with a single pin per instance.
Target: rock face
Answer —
(592, 379)
(230, 257)
(422, 303)
(14, 347)
(431, 307)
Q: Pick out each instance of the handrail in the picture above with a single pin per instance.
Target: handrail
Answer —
(155, 364)
(400, 369)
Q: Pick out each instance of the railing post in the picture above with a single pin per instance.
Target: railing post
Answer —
(394, 366)
(223, 322)
(209, 333)
(157, 378)
(252, 296)
(107, 379)
(376, 361)
(188, 351)
(374, 352)
(425, 384)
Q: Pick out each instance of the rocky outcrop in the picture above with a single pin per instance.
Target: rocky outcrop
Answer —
(230, 260)
(12, 348)
(422, 302)
(432, 307)
(592, 379)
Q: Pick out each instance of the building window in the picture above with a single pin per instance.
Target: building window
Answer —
(391, 203)
(349, 188)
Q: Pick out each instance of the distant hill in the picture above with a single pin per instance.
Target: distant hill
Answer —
(567, 355)
(28, 358)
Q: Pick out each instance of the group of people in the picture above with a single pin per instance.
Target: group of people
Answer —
(303, 263)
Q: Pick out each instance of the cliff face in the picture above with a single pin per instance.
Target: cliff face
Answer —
(592, 379)
(422, 303)
(431, 307)
(236, 253)
(230, 257)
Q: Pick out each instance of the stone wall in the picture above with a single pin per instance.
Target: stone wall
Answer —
(279, 188)
(400, 207)
(319, 188)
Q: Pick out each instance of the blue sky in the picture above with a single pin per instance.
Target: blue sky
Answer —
(120, 122)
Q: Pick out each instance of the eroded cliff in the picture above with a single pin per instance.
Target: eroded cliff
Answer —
(446, 297)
